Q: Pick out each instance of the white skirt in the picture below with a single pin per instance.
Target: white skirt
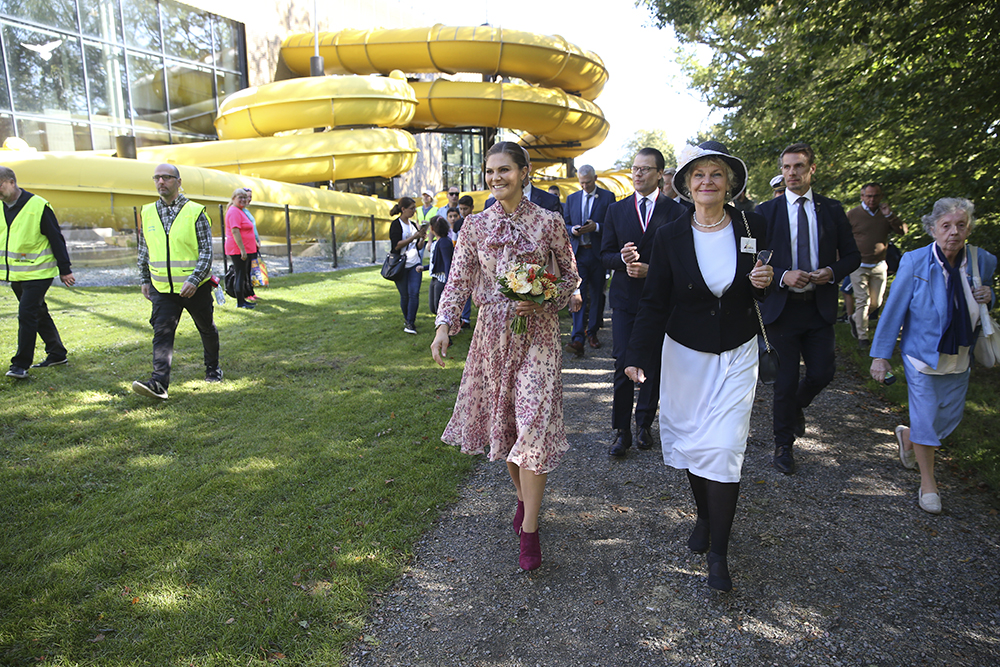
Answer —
(705, 404)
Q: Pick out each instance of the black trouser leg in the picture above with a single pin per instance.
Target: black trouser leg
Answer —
(164, 318)
(34, 321)
(201, 307)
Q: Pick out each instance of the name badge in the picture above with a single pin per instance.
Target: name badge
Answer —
(748, 244)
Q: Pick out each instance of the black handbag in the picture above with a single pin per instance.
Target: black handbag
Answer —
(229, 283)
(767, 361)
(893, 255)
(393, 265)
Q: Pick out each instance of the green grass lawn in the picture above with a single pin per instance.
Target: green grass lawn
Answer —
(974, 448)
(234, 522)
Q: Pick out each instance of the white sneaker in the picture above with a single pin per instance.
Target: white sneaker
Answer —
(409, 329)
(930, 502)
(907, 458)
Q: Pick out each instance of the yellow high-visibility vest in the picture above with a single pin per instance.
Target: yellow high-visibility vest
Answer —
(26, 252)
(174, 256)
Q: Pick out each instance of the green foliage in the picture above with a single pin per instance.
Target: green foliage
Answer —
(234, 521)
(646, 139)
(899, 92)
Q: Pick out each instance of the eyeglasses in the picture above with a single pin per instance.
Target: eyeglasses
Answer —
(642, 171)
(452, 194)
(163, 177)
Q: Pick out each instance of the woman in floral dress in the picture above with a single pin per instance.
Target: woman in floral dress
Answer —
(510, 399)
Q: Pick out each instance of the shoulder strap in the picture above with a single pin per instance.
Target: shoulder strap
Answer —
(974, 260)
(760, 320)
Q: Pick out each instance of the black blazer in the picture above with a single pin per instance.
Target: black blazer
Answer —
(676, 299)
(837, 250)
(621, 225)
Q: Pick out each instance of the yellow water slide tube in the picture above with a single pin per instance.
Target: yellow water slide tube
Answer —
(248, 119)
(553, 116)
(542, 59)
(558, 114)
(90, 190)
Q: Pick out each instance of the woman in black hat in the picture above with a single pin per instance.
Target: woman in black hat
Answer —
(704, 275)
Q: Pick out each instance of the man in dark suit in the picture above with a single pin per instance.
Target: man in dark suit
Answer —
(584, 213)
(813, 249)
(626, 244)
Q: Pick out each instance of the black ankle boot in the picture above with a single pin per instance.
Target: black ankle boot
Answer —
(718, 573)
(698, 542)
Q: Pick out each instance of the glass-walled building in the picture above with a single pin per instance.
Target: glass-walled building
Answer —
(77, 73)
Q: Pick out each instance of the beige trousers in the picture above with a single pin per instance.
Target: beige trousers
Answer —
(869, 288)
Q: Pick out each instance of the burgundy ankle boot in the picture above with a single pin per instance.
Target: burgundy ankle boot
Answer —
(518, 517)
(531, 551)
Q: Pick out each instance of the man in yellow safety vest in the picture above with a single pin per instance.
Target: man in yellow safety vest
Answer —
(175, 265)
(32, 253)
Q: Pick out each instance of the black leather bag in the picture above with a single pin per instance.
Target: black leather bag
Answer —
(767, 365)
(393, 265)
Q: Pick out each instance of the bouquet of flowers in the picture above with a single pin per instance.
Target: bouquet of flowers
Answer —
(527, 282)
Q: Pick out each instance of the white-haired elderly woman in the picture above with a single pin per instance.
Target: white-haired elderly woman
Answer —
(937, 308)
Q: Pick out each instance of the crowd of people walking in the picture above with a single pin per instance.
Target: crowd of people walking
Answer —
(699, 274)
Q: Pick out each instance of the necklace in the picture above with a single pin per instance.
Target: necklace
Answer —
(695, 218)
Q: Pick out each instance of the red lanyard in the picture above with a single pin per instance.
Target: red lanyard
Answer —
(649, 211)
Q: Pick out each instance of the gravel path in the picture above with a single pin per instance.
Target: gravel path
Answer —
(835, 565)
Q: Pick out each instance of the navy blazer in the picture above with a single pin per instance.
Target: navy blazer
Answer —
(677, 300)
(621, 225)
(837, 250)
(444, 250)
(917, 304)
(603, 199)
(538, 196)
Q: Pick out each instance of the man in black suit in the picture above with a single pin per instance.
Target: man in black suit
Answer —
(584, 213)
(813, 249)
(626, 244)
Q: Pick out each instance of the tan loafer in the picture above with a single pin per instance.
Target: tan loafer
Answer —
(930, 502)
(907, 458)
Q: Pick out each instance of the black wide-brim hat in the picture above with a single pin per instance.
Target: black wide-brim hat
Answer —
(709, 149)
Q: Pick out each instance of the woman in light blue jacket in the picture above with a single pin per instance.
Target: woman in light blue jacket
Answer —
(933, 302)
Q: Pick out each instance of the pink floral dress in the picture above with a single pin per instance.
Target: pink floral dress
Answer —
(510, 400)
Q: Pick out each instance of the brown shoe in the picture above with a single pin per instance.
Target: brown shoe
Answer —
(576, 347)
(594, 342)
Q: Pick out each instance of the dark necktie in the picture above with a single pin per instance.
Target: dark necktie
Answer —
(802, 242)
(642, 213)
(587, 203)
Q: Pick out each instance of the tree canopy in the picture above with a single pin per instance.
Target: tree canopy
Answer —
(643, 139)
(904, 92)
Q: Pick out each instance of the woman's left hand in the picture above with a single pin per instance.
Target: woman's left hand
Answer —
(981, 294)
(528, 307)
(243, 255)
(762, 275)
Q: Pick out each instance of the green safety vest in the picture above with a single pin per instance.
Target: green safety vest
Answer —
(420, 213)
(174, 256)
(27, 254)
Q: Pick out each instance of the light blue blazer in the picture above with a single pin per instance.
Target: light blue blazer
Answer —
(917, 305)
